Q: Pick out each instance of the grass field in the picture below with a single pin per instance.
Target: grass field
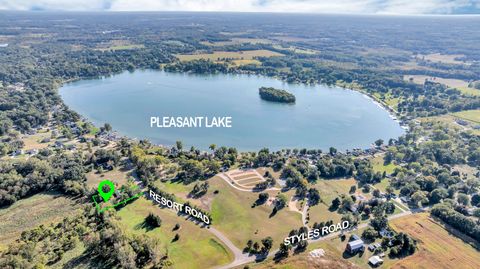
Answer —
(442, 58)
(437, 247)
(232, 214)
(236, 55)
(33, 141)
(329, 190)
(116, 176)
(196, 248)
(31, 212)
(296, 50)
(378, 165)
(320, 213)
(304, 261)
(470, 115)
(236, 41)
(460, 85)
(450, 120)
(119, 45)
(245, 62)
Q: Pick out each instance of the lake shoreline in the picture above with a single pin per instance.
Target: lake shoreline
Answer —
(301, 88)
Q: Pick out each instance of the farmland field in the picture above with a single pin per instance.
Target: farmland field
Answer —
(458, 84)
(236, 55)
(442, 58)
(470, 115)
(31, 212)
(235, 41)
(437, 247)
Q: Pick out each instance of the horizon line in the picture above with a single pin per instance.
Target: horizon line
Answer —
(242, 12)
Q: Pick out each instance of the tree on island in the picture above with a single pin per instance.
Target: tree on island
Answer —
(276, 95)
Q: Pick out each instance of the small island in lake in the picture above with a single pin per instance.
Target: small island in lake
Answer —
(276, 95)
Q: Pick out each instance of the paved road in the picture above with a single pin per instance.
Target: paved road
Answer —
(242, 258)
(304, 212)
(248, 259)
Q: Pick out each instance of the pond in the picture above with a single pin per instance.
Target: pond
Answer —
(322, 116)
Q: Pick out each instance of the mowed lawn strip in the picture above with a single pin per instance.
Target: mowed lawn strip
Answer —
(437, 247)
(196, 248)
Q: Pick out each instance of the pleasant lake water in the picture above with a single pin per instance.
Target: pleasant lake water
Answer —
(321, 117)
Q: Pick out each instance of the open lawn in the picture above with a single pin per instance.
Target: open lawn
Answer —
(245, 62)
(30, 212)
(442, 58)
(392, 101)
(445, 119)
(470, 115)
(296, 49)
(117, 176)
(196, 248)
(233, 215)
(460, 85)
(329, 190)
(33, 141)
(378, 165)
(234, 55)
(236, 41)
(437, 247)
(451, 121)
(321, 213)
(119, 45)
(292, 38)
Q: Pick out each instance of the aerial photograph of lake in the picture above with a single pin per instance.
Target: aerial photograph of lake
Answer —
(320, 118)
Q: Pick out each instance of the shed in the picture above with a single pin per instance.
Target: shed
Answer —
(355, 246)
(354, 237)
(375, 260)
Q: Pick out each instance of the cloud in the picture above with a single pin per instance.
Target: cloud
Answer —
(71, 5)
(310, 6)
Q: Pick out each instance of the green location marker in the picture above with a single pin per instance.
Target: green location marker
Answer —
(106, 195)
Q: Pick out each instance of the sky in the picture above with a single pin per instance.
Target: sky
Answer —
(400, 7)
